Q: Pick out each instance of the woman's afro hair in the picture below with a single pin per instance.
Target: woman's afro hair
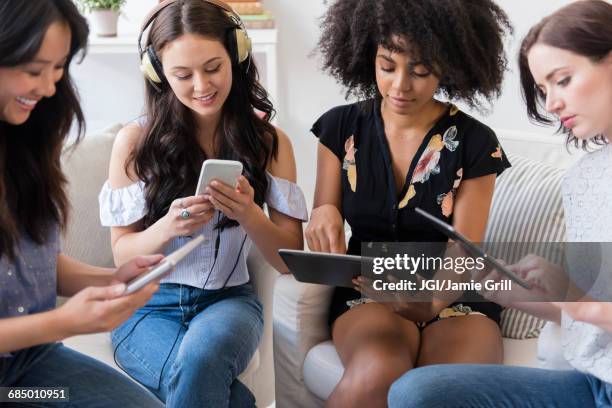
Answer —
(461, 41)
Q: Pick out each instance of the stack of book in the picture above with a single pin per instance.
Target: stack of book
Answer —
(252, 13)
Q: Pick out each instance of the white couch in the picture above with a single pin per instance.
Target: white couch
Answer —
(307, 365)
(87, 169)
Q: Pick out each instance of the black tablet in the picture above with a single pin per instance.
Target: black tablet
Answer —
(322, 268)
(450, 232)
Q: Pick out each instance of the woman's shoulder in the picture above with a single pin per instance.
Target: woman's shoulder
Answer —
(338, 124)
(595, 164)
(344, 113)
(129, 136)
(468, 125)
(598, 158)
(283, 165)
(125, 143)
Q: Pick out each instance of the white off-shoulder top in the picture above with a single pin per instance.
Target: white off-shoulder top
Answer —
(124, 206)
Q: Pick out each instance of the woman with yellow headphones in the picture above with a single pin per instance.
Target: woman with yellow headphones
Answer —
(198, 333)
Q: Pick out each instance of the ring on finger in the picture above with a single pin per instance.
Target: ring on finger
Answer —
(185, 214)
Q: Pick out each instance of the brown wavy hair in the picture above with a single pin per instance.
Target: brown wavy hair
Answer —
(32, 184)
(584, 28)
(168, 158)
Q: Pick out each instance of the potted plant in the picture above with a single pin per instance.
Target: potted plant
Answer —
(103, 15)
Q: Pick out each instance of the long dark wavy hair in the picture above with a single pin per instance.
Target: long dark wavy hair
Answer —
(461, 42)
(32, 184)
(168, 158)
(584, 28)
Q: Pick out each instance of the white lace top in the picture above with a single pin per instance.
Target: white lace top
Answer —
(124, 206)
(587, 189)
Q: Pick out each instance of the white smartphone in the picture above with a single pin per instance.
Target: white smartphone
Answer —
(226, 171)
(164, 267)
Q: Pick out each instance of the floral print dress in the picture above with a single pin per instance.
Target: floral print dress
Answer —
(456, 148)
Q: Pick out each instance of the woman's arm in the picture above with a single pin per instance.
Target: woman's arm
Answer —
(325, 231)
(129, 240)
(27, 331)
(472, 205)
(470, 215)
(74, 276)
(98, 307)
(280, 230)
(92, 310)
(596, 313)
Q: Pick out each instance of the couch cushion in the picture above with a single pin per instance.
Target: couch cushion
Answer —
(99, 346)
(87, 168)
(323, 368)
(527, 207)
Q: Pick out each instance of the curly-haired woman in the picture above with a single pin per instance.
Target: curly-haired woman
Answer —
(198, 333)
(401, 147)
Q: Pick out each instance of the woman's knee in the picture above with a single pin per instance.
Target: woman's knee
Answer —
(220, 354)
(372, 372)
(372, 328)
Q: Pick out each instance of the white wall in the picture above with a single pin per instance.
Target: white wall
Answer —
(306, 92)
(111, 86)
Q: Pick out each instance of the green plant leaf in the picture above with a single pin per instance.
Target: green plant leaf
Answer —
(89, 5)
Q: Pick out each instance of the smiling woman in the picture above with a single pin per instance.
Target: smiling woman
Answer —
(37, 107)
(38, 40)
(25, 85)
(202, 93)
(200, 73)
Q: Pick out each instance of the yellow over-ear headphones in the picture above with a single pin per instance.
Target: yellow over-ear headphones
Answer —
(150, 64)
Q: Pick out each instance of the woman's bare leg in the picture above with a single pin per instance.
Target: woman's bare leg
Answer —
(376, 347)
(472, 339)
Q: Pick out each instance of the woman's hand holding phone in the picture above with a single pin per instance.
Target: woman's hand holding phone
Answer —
(237, 203)
(186, 216)
(100, 309)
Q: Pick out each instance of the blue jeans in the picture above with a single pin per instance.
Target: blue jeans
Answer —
(497, 386)
(188, 345)
(90, 382)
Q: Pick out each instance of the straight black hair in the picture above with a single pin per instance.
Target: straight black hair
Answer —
(32, 184)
